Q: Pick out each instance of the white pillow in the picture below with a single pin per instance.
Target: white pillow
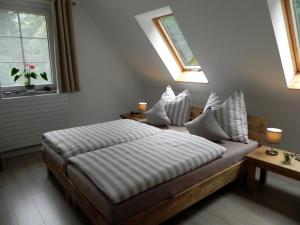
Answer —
(207, 126)
(168, 95)
(231, 115)
(177, 107)
(157, 116)
(213, 101)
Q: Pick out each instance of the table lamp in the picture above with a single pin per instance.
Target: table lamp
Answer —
(142, 107)
(273, 137)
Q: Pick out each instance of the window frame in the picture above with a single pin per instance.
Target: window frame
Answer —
(176, 55)
(43, 9)
(290, 21)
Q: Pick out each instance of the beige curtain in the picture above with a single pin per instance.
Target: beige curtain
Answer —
(66, 64)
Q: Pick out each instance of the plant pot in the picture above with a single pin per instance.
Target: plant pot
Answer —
(29, 88)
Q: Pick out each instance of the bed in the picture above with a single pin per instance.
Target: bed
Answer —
(156, 204)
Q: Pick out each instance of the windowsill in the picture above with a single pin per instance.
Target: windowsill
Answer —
(295, 82)
(192, 76)
(27, 94)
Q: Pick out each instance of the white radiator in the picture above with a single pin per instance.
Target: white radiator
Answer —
(24, 120)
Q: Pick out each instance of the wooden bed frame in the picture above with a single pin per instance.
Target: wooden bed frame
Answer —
(170, 207)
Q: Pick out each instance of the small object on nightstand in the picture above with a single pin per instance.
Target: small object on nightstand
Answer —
(273, 137)
(133, 113)
(134, 116)
(142, 107)
(286, 158)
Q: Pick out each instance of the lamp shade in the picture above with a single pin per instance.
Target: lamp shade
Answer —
(142, 107)
(273, 135)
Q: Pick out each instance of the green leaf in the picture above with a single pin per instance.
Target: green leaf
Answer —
(33, 75)
(16, 78)
(14, 71)
(44, 76)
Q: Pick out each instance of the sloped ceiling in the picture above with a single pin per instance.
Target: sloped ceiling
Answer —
(233, 40)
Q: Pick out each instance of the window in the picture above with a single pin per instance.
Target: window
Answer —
(292, 11)
(24, 39)
(165, 35)
(285, 17)
(172, 34)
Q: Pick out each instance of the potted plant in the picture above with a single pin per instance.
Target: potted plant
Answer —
(28, 73)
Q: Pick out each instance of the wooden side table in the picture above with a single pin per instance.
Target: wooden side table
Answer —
(259, 158)
(134, 116)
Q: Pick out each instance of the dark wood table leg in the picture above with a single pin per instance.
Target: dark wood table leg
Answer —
(251, 176)
(263, 176)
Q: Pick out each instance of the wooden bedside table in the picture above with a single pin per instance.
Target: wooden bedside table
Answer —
(259, 158)
(134, 116)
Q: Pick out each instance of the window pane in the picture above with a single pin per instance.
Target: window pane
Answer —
(40, 68)
(9, 24)
(10, 50)
(171, 26)
(36, 50)
(5, 78)
(296, 4)
(30, 45)
(33, 25)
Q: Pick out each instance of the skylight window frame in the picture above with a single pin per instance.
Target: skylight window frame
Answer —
(291, 25)
(168, 40)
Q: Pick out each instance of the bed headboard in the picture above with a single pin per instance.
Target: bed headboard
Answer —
(256, 125)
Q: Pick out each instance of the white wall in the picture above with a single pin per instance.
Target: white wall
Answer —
(108, 87)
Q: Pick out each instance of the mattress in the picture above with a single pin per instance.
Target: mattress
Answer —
(115, 213)
(181, 129)
(61, 162)
(56, 158)
(125, 170)
(77, 140)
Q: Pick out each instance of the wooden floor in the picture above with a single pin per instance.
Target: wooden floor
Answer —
(29, 197)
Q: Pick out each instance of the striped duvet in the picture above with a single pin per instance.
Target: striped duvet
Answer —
(77, 140)
(125, 170)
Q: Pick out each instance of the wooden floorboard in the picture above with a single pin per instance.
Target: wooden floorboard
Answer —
(29, 197)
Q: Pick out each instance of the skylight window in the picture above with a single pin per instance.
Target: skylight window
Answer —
(172, 34)
(293, 19)
(165, 35)
(285, 17)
